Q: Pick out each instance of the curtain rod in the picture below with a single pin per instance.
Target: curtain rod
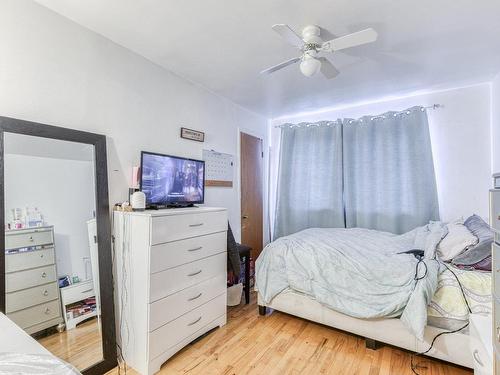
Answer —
(396, 113)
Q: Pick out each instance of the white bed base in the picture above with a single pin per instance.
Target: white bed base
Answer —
(452, 347)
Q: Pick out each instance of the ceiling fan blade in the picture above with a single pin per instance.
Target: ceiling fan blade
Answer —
(327, 68)
(289, 35)
(351, 40)
(281, 66)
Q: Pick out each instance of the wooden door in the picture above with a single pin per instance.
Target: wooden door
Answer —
(251, 156)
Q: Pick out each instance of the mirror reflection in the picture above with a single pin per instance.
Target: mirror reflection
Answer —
(51, 264)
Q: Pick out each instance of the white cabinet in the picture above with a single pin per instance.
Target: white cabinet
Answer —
(481, 343)
(31, 290)
(74, 294)
(170, 271)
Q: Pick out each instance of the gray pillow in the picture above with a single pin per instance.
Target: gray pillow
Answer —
(482, 250)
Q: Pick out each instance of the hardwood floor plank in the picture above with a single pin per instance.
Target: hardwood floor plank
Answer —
(278, 344)
(81, 346)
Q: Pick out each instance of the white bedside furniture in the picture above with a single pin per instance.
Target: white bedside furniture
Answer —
(75, 293)
(171, 280)
(31, 289)
(481, 344)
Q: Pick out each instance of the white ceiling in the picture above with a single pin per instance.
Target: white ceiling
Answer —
(223, 44)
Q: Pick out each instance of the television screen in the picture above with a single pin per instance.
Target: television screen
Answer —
(171, 181)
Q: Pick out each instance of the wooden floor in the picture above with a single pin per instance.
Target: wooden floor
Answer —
(82, 346)
(279, 344)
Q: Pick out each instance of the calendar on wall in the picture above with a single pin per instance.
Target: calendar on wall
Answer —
(219, 168)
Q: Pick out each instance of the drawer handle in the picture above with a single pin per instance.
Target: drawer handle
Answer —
(44, 275)
(196, 225)
(41, 255)
(196, 321)
(31, 238)
(47, 311)
(195, 273)
(45, 293)
(475, 354)
(86, 291)
(196, 248)
(193, 298)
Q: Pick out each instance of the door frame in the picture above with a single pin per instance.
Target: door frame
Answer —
(12, 125)
(265, 165)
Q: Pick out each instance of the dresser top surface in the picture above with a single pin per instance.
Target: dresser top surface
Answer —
(174, 211)
(82, 284)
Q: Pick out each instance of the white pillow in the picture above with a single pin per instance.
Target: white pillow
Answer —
(458, 239)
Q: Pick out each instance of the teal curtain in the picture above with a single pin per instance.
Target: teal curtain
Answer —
(374, 172)
(309, 190)
(389, 177)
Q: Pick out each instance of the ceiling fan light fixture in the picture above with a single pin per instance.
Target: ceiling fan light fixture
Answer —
(310, 34)
(310, 66)
(313, 48)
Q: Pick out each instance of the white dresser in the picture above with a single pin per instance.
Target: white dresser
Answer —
(31, 289)
(495, 225)
(170, 272)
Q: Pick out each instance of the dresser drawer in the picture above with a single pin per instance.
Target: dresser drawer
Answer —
(175, 253)
(36, 314)
(26, 238)
(175, 305)
(175, 279)
(77, 292)
(170, 334)
(30, 278)
(30, 297)
(29, 259)
(177, 227)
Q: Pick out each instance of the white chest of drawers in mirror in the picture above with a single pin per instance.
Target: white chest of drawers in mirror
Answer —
(170, 271)
(31, 289)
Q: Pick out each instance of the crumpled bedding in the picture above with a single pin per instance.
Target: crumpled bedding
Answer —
(448, 301)
(34, 364)
(358, 272)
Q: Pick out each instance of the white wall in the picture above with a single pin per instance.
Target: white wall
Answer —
(56, 72)
(495, 124)
(460, 135)
(63, 191)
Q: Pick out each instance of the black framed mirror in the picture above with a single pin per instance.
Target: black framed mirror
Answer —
(56, 256)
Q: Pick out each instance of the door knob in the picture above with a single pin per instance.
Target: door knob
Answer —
(244, 217)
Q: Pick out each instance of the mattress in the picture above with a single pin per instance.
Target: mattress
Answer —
(448, 309)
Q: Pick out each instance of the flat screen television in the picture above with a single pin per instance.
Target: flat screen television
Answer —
(172, 181)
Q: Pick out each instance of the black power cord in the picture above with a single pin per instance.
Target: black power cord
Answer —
(416, 366)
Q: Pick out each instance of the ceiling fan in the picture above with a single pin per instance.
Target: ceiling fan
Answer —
(312, 46)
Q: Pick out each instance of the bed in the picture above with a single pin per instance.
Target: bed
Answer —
(290, 280)
(20, 353)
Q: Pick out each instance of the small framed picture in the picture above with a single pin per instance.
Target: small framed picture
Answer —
(193, 135)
